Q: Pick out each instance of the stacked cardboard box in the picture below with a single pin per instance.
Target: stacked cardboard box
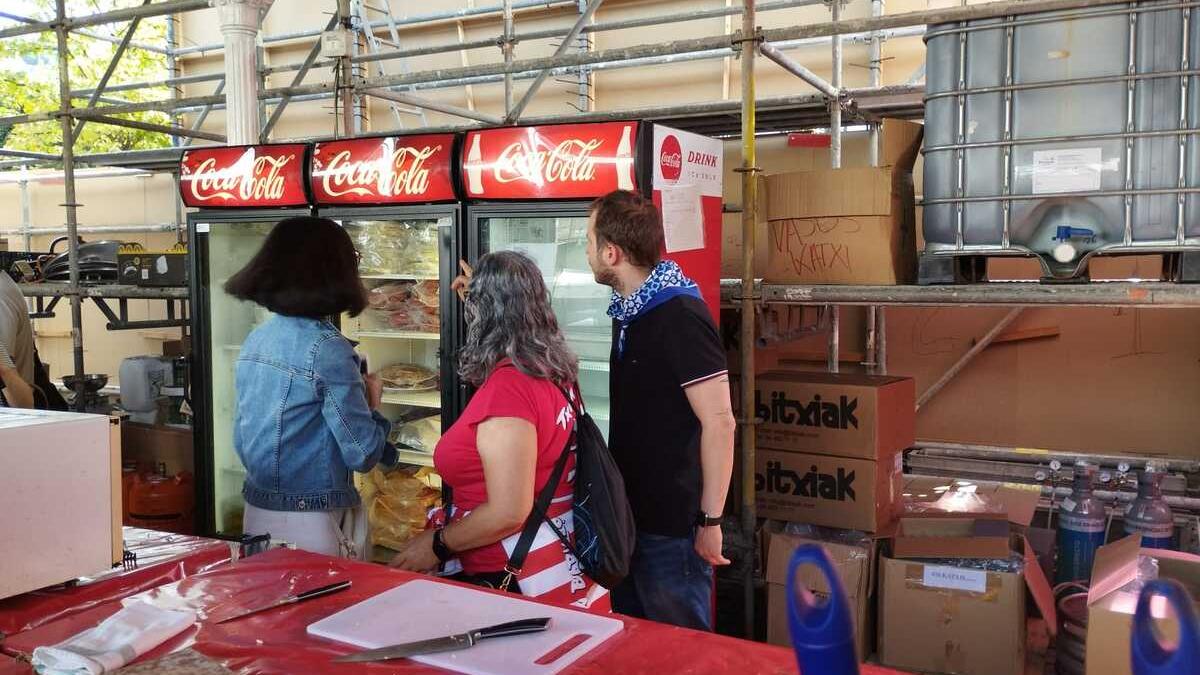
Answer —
(847, 226)
(829, 447)
(1112, 601)
(953, 589)
(830, 456)
(855, 565)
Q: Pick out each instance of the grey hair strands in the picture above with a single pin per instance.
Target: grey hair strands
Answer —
(508, 315)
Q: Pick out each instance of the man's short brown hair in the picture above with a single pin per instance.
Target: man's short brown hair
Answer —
(632, 223)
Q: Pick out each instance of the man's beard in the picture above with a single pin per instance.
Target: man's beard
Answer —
(606, 276)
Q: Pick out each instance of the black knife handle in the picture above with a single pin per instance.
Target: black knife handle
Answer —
(323, 590)
(512, 628)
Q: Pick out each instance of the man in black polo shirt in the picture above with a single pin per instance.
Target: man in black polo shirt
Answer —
(672, 426)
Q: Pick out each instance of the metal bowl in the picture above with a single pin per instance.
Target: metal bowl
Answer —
(91, 383)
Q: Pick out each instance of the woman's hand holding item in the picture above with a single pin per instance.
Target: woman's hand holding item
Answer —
(374, 387)
(417, 555)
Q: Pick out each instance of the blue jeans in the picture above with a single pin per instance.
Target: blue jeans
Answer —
(668, 582)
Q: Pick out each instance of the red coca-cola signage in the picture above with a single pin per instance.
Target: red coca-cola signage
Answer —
(392, 170)
(569, 161)
(244, 176)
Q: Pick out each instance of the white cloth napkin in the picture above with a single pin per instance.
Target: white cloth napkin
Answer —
(119, 639)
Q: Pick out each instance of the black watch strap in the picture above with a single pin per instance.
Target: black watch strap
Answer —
(440, 549)
(705, 520)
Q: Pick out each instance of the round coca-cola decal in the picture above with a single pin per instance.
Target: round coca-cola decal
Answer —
(670, 158)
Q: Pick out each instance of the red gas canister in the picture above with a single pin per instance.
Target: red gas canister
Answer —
(161, 502)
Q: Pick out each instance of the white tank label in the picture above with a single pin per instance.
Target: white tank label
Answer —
(1074, 170)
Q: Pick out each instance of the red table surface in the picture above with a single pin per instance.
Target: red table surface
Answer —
(275, 641)
(162, 557)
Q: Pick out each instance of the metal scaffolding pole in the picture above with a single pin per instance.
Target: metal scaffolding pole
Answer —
(68, 160)
(309, 60)
(108, 72)
(506, 47)
(421, 20)
(148, 126)
(966, 358)
(787, 63)
(114, 16)
(408, 99)
(748, 42)
(835, 109)
(514, 113)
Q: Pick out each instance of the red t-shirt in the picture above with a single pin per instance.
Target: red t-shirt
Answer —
(507, 392)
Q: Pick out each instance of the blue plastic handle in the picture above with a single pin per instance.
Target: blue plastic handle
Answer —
(822, 632)
(1150, 656)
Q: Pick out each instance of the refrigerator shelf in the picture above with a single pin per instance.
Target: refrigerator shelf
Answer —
(399, 277)
(595, 366)
(395, 335)
(420, 399)
(415, 458)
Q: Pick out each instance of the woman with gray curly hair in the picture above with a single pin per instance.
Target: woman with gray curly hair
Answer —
(502, 450)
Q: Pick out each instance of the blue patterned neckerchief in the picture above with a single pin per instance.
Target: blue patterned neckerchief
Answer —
(666, 281)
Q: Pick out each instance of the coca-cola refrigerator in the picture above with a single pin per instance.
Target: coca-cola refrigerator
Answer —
(241, 193)
(397, 197)
(529, 189)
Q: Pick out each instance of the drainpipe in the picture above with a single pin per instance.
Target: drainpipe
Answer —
(240, 23)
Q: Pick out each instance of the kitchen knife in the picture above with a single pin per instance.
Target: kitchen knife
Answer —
(449, 643)
(292, 599)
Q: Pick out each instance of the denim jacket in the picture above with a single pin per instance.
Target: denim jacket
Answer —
(302, 424)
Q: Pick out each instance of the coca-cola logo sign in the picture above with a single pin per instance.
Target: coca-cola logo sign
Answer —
(670, 159)
(255, 176)
(392, 170)
(572, 161)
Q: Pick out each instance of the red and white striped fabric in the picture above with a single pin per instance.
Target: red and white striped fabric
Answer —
(550, 571)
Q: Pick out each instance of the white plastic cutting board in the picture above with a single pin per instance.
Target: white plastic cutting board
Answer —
(422, 609)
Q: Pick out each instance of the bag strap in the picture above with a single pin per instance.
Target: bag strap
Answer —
(541, 506)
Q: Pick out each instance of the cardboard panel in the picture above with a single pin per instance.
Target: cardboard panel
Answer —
(846, 415)
(852, 494)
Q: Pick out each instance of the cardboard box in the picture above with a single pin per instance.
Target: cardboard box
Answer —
(150, 446)
(139, 267)
(1111, 607)
(847, 226)
(853, 494)
(181, 347)
(929, 494)
(845, 415)
(855, 569)
(955, 620)
(932, 535)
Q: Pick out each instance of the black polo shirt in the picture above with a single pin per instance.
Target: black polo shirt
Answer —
(653, 433)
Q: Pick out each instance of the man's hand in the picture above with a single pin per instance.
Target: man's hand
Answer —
(463, 281)
(708, 545)
(374, 387)
(17, 391)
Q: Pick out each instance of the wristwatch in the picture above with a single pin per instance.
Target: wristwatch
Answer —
(440, 549)
(705, 520)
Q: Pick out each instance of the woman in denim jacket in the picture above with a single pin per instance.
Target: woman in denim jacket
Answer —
(306, 411)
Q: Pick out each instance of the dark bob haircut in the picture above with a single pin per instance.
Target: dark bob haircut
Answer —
(306, 267)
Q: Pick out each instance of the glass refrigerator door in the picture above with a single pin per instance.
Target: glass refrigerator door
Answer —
(230, 247)
(559, 246)
(400, 331)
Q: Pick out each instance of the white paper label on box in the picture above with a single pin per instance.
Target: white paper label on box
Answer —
(955, 578)
(1074, 170)
(201, 227)
(683, 220)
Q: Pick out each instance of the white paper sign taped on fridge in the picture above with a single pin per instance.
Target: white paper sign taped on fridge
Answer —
(955, 578)
(1073, 170)
(683, 220)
